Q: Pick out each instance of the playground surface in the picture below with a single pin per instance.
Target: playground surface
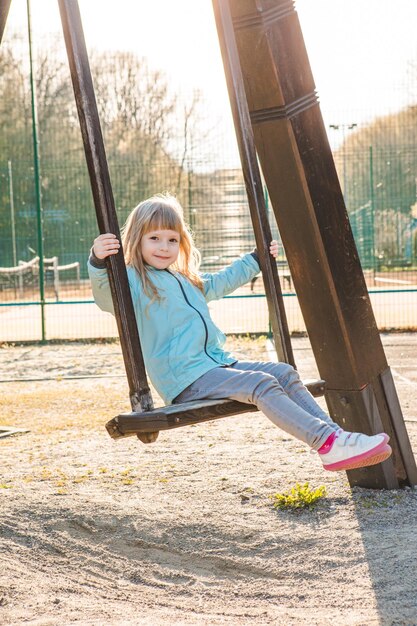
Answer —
(183, 531)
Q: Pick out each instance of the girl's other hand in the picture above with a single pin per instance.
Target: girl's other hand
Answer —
(105, 245)
(274, 248)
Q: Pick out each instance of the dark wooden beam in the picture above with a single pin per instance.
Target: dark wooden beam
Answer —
(304, 189)
(95, 154)
(253, 183)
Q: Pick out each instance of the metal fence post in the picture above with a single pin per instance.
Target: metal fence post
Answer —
(36, 166)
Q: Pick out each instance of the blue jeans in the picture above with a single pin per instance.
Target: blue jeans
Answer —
(276, 389)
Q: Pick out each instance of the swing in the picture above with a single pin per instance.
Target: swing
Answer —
(145, 421)
(277, 117)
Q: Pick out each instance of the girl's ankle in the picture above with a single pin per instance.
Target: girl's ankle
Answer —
(327, 446)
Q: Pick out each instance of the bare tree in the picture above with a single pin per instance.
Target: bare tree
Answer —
(132, 97)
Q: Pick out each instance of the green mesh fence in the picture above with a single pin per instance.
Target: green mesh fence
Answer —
(162, 136)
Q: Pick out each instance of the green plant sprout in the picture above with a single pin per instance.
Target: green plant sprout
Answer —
(299, 497)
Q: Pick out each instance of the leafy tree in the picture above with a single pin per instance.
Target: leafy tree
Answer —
(377, 167)
(378, 163)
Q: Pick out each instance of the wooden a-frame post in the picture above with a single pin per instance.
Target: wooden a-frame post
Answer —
(305, 193)
(139, 391)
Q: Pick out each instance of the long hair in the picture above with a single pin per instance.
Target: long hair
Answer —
(160, 212)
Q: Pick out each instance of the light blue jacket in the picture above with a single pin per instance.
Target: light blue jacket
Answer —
(179, 340)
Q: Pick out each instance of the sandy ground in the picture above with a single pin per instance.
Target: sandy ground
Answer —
(183, 531)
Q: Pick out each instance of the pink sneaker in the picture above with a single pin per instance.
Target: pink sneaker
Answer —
(353, 450)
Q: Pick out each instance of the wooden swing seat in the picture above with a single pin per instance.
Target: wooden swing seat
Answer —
(147, 424)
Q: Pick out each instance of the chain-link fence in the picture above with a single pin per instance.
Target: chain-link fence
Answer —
(159, 138)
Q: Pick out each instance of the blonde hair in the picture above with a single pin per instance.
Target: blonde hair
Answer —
(160, 212)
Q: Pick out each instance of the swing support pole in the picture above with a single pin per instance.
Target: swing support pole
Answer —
(253, 183)
(140, 395)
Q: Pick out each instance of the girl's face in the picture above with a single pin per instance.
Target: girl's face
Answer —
(160, 248)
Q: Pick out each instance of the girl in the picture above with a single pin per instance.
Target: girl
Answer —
(182, 347)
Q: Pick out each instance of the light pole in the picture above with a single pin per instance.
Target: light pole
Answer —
(344, 128)
(372, 198)
(12, 217)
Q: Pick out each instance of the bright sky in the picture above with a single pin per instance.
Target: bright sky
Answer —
(359, 50)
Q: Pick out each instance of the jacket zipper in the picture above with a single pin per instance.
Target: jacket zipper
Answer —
(198, 312)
